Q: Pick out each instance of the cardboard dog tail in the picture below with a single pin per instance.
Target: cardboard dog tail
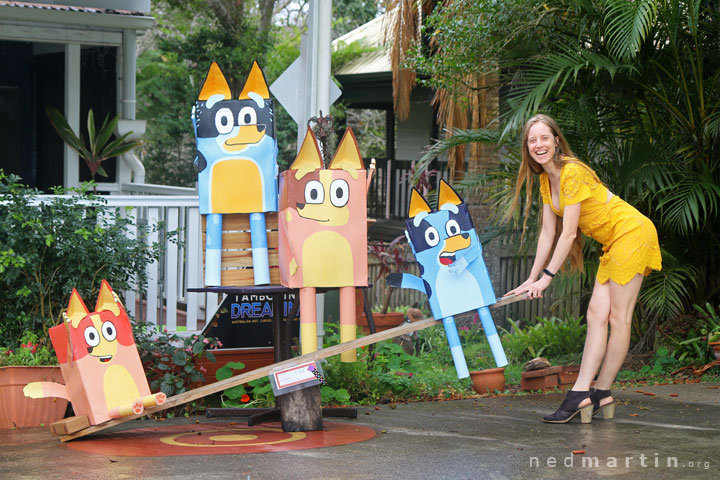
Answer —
(45, 390)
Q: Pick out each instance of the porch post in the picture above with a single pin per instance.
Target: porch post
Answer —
(71, 164)
(131, 168)
(129, 68)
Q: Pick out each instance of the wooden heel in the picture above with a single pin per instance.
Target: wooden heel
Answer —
(586, 414)
(609, 411)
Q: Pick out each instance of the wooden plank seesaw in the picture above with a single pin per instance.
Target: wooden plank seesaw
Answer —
(246, 377)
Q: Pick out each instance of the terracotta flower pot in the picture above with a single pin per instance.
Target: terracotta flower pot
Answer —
(21, 411)
(489, 380)
(715, 347)
(383, 321)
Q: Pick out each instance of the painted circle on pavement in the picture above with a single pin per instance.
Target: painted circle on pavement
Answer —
(217, 439)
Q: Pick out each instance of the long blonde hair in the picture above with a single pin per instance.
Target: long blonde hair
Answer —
(529, 169)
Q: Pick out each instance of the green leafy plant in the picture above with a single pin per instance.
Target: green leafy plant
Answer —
(260, 393)
(172, 363)
(549, 337)
(662, 359)
(710, 322)
(99, 147)
(29, 353)
(394, 258)
(52, 245)
(694, 347)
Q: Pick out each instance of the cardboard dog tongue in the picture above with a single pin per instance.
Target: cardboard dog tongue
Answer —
(447, 260)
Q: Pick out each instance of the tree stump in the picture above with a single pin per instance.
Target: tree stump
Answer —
(301, 411)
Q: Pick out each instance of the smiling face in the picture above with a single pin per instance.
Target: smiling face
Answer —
(440, 237)
(324, 197)
(541, 143)
(97, 334)
(234, 124)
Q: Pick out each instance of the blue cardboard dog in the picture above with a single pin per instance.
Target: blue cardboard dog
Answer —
(237, 163)
(454, 275)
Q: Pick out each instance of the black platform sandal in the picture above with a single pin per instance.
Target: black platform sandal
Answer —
(569, 408)
(608, 409)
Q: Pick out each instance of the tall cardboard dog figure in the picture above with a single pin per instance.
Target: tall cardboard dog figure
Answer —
(454, 275)
(323, 232)
(237, 164)
(104, 378)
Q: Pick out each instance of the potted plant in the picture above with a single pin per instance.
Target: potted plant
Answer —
(488, 380)
(714, 343)
(31, 361)
(393, 258)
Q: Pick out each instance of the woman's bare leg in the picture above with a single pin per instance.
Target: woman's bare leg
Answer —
(622, 305)
(596, 340)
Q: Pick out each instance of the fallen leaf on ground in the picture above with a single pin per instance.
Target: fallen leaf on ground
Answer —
(632, 414)
(673, 394)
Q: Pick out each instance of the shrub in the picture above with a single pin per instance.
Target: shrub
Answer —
(46, 250)
(549, 337)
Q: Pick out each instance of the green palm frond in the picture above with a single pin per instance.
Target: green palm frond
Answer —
(689, 204)
(666, 293)
(550, 74)
(628, 24)
(453, 138)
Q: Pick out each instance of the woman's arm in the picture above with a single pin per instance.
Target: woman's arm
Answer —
(571, 217)
(544, 247)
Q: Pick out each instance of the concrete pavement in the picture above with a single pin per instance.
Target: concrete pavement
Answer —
(674, 433)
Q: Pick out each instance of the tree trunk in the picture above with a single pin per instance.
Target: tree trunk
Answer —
(300, 410)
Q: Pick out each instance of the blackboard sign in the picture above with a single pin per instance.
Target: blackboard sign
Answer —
(245, 320)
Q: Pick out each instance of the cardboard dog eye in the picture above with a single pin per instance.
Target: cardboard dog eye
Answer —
(452, 228)
(247, 116)
(314, 192)
(92, 338)
(109, 331)
(432, 237)
(224, 121)
(339, 192)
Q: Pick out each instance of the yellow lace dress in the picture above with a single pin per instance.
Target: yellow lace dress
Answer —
(629, 239)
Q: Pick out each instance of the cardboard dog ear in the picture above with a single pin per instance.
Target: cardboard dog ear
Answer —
(214, 84)
(255, 83)
(447, 195)
(417, 204)
(308, 158)
(107, 300)
(76, 309)
(347, 156)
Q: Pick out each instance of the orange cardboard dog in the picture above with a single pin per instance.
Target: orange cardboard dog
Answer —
(323, 232)
(103, 375)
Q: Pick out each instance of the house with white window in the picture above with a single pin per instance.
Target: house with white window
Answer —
(74, 55)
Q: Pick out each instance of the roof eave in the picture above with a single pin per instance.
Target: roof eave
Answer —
(105, 21)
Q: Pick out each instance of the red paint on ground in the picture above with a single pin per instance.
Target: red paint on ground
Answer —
(217, 439)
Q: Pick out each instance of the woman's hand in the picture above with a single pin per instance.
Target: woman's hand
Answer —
(520, 288)
(534, 289)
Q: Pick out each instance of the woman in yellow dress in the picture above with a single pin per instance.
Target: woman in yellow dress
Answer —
(575, 199)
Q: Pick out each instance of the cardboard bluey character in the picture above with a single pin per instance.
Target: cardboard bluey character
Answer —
(323, 232)
(454, 275)
(237, 164)
(104, 378)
